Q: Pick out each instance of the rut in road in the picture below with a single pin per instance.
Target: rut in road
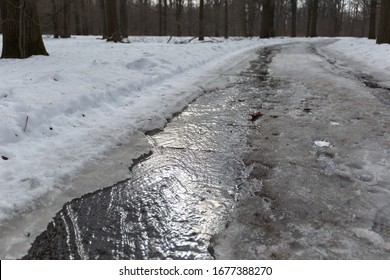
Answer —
(177, 198)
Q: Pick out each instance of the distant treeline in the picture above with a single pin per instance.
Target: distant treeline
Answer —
(181, 17)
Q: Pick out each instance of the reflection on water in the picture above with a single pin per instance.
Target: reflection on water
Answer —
(176, 199)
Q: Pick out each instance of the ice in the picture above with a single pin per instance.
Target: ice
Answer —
(322, 143)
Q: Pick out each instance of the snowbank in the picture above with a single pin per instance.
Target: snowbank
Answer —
(364, 51)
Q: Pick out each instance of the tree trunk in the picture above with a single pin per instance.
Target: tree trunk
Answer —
(54, 9)
(66, 13)
(309, 17)
(165, 18)
(293, 18)
(179, 8)
(372, 28)
(102, 7)
(267, 19)
(217, 13)
(384, 23)
(84, 17)
(226, 29)
(160, 18)
(190, 17)
(201, 20)
(77, 17)
(21, 31)
(314, 14)
(124, 18)
(113, 31)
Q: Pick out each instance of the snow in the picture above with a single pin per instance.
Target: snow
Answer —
(365, 51)
(322, 143)
(61, 112)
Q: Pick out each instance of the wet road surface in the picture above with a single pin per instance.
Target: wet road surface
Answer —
(178, 196)
(304, 178)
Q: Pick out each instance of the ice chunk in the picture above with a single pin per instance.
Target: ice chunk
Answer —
(322, 143)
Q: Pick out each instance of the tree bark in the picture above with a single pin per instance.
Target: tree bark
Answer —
(314, 16)
(226, 27)
(113, 31)
(77, 17)
(84, 17)
(384, 23)
(124, 18)
(165, 18)
(293, 18)
(102, 7)
(179, 9)
(54, 10)
(160, 18)
(66, 14)
(309, 17)
(217, 13)
(201, 20)
(21, 31)
(372, 28)
(267, 19)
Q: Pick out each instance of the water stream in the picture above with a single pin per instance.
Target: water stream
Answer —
(178, 196)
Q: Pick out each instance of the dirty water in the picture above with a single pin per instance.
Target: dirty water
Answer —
(178, 196)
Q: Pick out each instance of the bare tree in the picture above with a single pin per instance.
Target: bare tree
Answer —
(165, 18)
(372, 29)
(56, 31)
(201, 20)
(21, 30)
(66, 19)
(312, 16)
(84, 16)
(384, 23)
(76, 8)
(226, 23)
(102, 8)
(293, 18)
(160, 18)
(267, 19)
(178, 13)
(123, 18)
(113, 31)
(217, 16)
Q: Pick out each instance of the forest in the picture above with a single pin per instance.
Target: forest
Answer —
(23, 21)
(115, 20)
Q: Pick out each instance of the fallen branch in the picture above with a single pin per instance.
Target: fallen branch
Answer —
(188, 41)
(25, 126)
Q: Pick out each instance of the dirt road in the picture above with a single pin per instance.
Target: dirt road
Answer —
(291, 162)
(321, 152)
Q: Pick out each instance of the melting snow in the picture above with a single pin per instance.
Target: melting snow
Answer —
(322, 143)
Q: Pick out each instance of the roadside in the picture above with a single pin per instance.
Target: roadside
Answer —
(321, 154)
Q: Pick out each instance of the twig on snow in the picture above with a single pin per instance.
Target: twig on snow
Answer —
(25, 126)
